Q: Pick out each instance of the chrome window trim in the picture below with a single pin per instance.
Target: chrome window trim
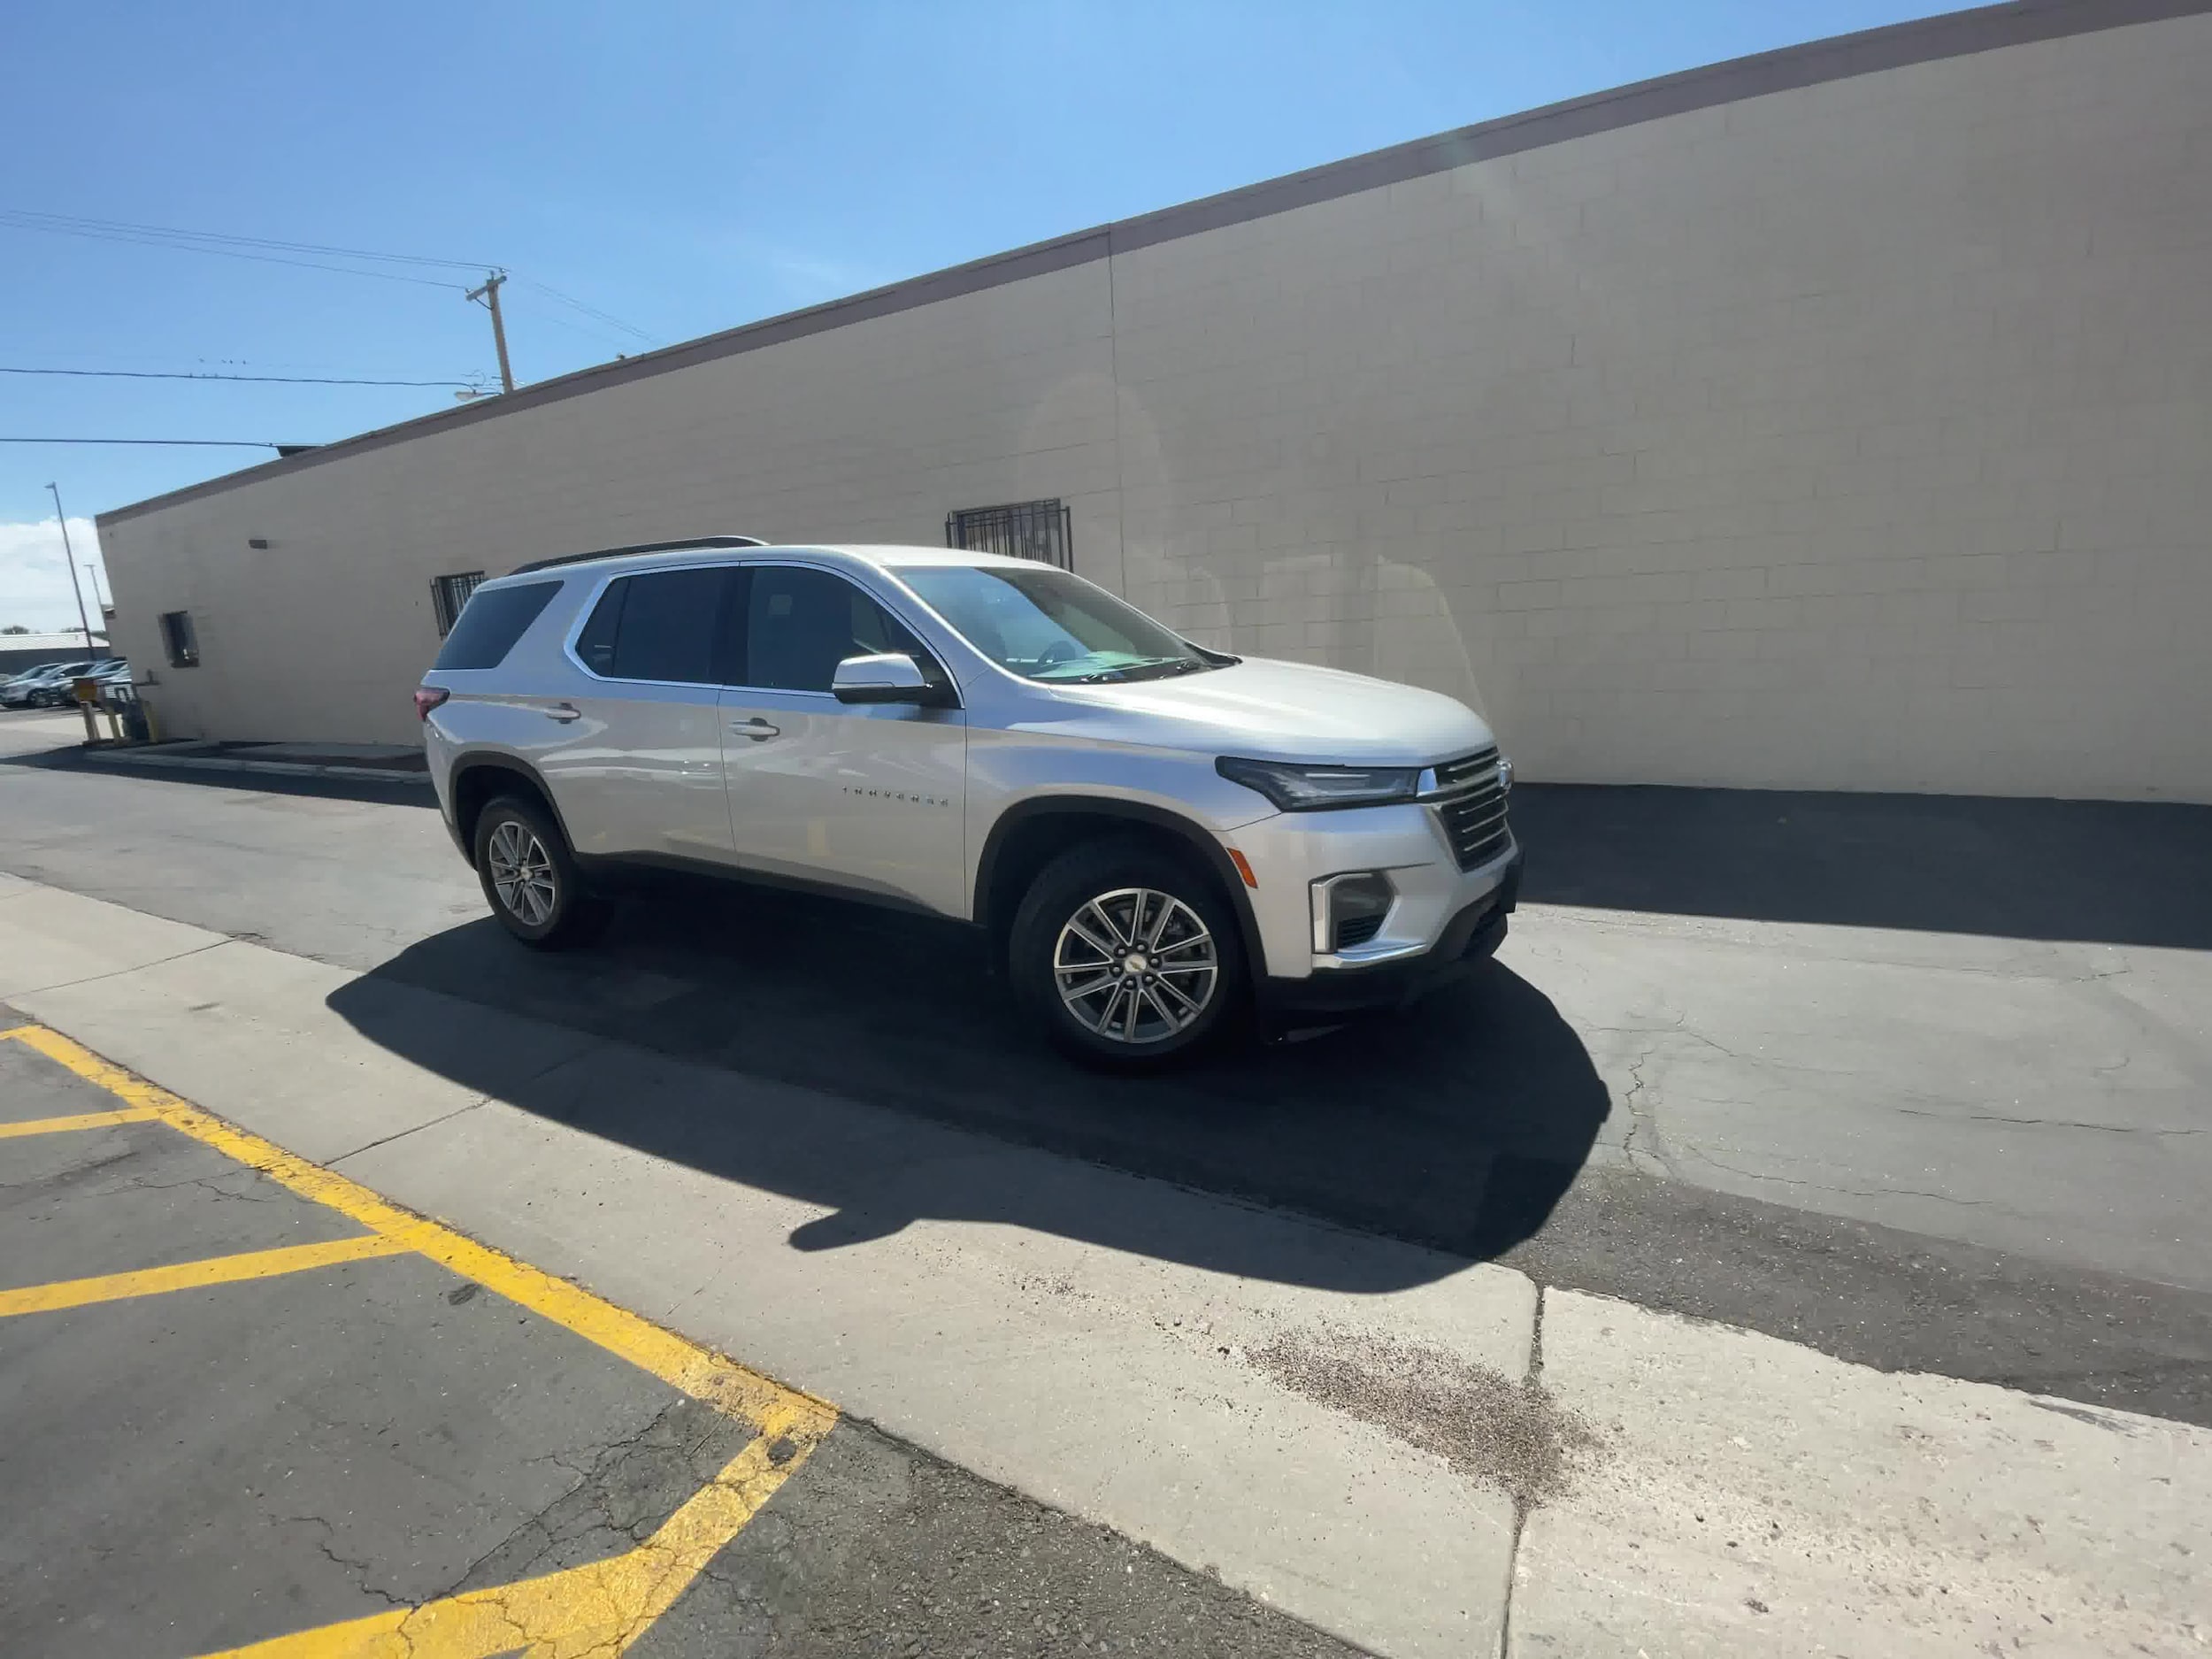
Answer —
(591, 604)
(607, 580)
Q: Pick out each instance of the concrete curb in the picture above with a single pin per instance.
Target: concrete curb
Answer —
(130, 760)
(1083, 1336)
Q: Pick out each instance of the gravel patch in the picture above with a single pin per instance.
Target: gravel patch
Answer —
(1489, 1427)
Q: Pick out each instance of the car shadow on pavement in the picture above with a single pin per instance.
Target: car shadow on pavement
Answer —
(1456, 1123)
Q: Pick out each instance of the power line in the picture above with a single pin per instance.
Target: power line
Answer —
(233, 253)
(591, 311)
(177, 443)
(72, 223)
(234, 247)
(280, 380)
(585, 329)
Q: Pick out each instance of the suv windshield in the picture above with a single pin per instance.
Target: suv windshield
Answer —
(1048, 623)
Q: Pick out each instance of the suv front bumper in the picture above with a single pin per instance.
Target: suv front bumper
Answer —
(1472, 935)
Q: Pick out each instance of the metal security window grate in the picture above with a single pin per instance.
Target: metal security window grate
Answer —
(1023, 530)
(448, 594)
(178, 639)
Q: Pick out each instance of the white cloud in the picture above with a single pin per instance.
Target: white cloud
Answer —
(34, 581)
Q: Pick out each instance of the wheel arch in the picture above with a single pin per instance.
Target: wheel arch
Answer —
(1030, 834)
(478, 779)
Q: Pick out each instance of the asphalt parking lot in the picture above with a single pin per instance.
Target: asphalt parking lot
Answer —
(252, 1408)
(1718, 1070)
(1853, 1070)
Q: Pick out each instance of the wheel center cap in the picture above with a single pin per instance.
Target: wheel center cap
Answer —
(1135, 962)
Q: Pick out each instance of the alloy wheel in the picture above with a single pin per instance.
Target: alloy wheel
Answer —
(522, 873)
(1135, 966)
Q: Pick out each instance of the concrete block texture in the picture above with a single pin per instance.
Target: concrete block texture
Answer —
(1940, 332)
(1750, 1497)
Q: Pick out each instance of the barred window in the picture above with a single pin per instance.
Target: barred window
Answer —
(448, 594)
(1035, 530)
(178, 639)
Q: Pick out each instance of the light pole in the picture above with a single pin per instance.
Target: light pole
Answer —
(69, 557)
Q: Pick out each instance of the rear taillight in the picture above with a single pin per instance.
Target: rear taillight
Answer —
(428, 697)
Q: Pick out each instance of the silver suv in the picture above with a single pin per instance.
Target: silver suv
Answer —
(1151, 833)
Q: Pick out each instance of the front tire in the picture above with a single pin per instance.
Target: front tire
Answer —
(1125, 954)
(530, 877)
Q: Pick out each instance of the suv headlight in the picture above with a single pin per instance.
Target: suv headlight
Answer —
(1294, 788)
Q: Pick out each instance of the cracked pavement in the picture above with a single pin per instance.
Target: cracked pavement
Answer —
(2002, 1094)
(1760, 1057)
(289, 1453)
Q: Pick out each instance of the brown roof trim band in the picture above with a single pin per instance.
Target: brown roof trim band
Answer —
(1927, 40)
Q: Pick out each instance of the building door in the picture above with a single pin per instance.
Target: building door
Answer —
(870, 796)
(640, 773)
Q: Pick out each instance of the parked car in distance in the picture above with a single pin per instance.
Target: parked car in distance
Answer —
(37, 687)
(1151, 833)
(15, 690)
(61, 691)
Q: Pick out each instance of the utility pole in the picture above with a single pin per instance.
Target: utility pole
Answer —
(69, 557)
(489, 295)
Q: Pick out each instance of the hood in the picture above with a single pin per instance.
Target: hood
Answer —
(1265, 709)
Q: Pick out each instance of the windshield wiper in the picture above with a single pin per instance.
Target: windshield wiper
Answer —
(1152, 668)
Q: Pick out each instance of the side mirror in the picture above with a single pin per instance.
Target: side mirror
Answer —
(887, 677)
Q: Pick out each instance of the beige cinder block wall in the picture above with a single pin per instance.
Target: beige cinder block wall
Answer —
(870, 432)
(1850, 434)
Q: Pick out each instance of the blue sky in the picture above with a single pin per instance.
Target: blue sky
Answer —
(681, 167)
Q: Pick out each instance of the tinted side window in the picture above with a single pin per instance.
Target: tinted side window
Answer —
(656, 627)
(595, 643)
(800, 624)
(491, 622)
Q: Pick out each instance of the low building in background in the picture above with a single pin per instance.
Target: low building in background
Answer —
(1836, 418)
(19, 651)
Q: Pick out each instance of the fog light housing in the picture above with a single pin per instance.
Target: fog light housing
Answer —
(1350, 909)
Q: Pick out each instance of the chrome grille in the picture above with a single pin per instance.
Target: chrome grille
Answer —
(1469, 800)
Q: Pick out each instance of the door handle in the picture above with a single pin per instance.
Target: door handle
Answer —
(757, 729)
(563, 712)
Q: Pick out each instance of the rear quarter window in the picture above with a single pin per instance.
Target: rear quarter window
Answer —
(491, 622)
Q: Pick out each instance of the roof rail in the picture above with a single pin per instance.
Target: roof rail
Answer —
(673, 546)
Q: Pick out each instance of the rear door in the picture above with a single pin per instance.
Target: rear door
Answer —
(868, 796)
(639, 771)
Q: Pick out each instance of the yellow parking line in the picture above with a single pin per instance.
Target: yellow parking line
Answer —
(600, 1607)
(214, 1269)
(81, 1121)
(695, 1371)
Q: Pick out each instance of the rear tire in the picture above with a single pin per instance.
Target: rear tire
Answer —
(530, 877)
(1126, 955)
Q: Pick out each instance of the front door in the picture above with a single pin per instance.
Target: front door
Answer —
(639, 771)
(869, 796)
